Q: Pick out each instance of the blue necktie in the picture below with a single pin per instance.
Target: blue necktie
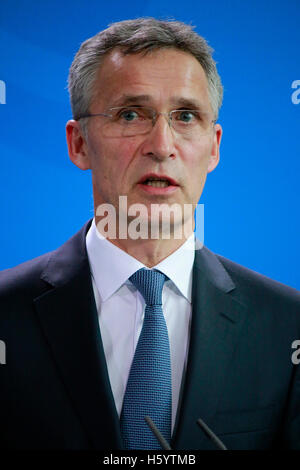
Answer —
(149, 390)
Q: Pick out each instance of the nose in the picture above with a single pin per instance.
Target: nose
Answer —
(159, 143)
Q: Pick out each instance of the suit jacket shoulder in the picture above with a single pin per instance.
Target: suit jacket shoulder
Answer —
(34, 277)
(248, 286)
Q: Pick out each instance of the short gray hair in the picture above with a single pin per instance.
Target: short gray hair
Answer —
(131, 37)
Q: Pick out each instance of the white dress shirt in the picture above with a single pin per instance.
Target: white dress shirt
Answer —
(121, 308)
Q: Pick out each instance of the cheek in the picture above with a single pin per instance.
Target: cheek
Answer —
(197, 157)
(122, 162)
(118, 154)
(196, 165)
(126, 148)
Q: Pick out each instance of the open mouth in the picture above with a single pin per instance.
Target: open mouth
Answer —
(157, 181)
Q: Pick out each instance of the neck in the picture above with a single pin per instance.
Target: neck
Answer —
(148, 251)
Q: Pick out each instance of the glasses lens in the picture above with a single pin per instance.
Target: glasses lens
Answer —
(186, 121)
(128, 121)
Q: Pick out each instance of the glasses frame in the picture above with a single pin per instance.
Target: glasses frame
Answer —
(155, 115)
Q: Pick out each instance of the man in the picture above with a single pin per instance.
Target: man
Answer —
(82, 370)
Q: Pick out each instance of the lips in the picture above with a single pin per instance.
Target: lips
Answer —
(154, 184)
(158, 180)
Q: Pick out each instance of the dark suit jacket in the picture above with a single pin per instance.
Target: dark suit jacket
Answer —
(54, 388)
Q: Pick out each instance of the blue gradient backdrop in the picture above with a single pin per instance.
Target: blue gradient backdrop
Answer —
(251, 199)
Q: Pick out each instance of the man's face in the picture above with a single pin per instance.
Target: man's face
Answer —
(164, 80)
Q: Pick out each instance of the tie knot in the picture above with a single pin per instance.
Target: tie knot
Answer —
(150, 284)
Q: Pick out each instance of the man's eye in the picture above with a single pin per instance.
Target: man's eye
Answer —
(128, 115)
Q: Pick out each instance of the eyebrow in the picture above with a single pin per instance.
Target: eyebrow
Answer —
(131, 99)
(188, 103)
(177, 101)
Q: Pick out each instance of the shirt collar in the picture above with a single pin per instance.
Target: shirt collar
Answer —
(111, 267)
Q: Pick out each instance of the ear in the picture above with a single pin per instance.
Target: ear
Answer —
(77, 146)
(215, 151)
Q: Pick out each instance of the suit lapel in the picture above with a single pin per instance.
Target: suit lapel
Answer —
(217, 319)
(68, 318)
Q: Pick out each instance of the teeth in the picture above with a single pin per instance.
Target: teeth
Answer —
(157, 184)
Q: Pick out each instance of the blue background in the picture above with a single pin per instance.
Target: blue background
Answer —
(251, 199)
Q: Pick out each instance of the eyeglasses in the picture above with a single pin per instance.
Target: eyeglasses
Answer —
(136, 120)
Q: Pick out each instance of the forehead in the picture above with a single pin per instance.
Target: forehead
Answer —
(161, 77)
